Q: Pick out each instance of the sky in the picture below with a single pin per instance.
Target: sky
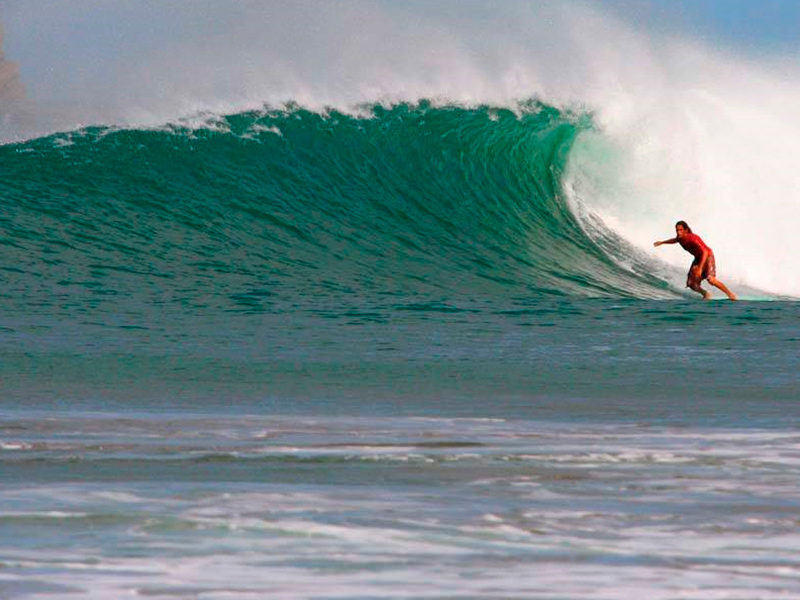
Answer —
(760, 25)
(111, 60)
(94, 30)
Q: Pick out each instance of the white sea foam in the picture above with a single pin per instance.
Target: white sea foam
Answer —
(50, 514)
(15, 446)
(642, 522)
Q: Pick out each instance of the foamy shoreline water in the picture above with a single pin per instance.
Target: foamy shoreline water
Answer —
(340, 507)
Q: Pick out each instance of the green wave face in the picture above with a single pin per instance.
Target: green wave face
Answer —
(256, 209)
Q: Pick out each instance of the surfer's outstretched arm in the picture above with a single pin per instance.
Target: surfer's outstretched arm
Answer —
(669, 241)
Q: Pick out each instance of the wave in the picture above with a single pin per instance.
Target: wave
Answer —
(253, 208)
(655, 126)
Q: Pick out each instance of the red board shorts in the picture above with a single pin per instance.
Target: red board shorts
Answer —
(710, 270)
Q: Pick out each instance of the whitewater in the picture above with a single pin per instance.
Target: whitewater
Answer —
(359, 300)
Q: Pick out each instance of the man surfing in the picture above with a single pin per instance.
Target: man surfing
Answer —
(703, 266)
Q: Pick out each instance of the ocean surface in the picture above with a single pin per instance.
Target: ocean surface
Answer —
(368, 355)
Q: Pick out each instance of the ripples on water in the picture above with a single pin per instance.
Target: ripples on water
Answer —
(216, 507)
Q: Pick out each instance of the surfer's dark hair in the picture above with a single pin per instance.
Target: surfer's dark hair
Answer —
(685, 225)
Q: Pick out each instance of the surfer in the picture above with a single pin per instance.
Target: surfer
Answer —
(703, 266)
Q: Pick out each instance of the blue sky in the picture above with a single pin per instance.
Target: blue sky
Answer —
(768, 25)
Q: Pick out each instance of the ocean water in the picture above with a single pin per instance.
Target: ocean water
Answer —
(381, 354)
